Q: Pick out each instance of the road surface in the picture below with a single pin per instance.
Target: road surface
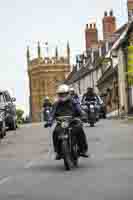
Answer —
(28, 171)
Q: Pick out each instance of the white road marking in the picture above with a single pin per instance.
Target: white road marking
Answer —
(34, 163)
(5, 179)
(30, 164)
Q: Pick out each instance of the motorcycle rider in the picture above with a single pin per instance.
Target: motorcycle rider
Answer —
(74, 95)
(89, 95)
(46, 104)
(66, 105)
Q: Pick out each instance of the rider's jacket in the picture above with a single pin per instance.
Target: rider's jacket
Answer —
(69, 107)
(47, 104)
(88, 98)
(76, 98)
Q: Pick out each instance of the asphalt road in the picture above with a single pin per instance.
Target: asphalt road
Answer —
(28, 171)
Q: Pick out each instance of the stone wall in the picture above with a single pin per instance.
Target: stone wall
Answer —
(44, 81)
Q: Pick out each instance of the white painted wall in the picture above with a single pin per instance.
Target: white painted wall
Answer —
(99, 74)
(122, 80)
(86, 82)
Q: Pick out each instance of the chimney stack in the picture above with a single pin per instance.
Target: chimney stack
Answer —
(105, 14)
(111, 13)
(39, 50)
(90, 26)
(28, 54)
(91, 36)
(109, 25)
(68, 52)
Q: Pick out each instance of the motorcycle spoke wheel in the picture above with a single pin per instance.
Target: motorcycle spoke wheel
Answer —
(75, 153)
(91, 124)
(67, 157)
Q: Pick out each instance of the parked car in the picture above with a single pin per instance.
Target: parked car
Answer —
(10, 109)
(2, 116)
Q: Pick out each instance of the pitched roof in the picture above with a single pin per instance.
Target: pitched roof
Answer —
(121, 29)
(109, 72)
(77, 75)
(84, 70)
(123, 35)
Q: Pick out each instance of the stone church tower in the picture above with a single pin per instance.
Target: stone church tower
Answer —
(45, 74)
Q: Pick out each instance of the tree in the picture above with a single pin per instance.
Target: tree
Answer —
(19, 114)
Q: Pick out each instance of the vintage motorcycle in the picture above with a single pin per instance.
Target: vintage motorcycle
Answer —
(90, 109)
(67, 143)
(46, 113)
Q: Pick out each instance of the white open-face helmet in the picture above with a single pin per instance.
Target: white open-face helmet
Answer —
(71, 90)
(46, 98)
(63, 92)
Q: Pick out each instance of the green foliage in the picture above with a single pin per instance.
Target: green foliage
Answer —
(99, 61)
(19, 113)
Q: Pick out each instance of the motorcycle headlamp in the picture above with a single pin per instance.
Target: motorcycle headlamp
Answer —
(47, 111)
(65, 124)
(91, 106)
(84, 107)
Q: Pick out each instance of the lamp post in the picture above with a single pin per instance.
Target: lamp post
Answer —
(78, 63)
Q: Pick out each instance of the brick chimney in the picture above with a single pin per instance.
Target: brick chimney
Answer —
(109, 26)
(91, 36)
(130, 9)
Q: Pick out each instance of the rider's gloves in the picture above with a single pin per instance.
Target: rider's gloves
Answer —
(49, 123)
(45, 125)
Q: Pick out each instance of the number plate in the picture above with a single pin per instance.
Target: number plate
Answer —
(64, 124)
(63, 136)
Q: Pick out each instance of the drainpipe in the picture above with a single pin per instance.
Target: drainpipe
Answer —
(79, 87)
(126, 76)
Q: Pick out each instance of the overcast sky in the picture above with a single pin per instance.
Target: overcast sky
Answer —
(25, 22)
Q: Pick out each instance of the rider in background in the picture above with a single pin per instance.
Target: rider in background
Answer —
(67, 106)
(47, 102)
(74, 95)
(46, 105)
(89, 95)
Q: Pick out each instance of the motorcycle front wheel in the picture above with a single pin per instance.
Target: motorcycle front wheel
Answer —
(92, 124)
(75, 151)
(66, 155)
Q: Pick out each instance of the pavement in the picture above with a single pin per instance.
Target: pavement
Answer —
(28, 171)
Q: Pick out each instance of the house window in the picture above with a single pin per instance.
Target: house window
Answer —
(1, 98)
